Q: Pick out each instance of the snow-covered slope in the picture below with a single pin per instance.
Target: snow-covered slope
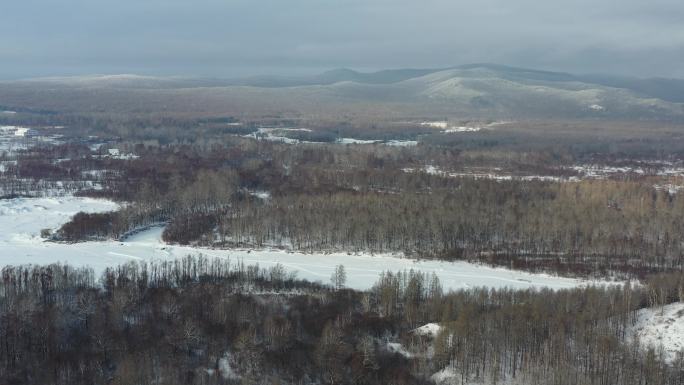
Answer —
(658, 326)
(22, 219)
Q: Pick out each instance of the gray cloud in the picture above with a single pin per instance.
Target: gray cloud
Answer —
(239, 37)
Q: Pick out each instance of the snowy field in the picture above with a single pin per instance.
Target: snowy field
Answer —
(22, 219)
(656, 327)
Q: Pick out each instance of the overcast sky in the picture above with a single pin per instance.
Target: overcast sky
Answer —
(230, 38)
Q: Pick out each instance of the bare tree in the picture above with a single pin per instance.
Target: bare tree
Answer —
(339, 277)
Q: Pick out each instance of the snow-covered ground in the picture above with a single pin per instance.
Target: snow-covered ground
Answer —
(115, 153)
(278, 134)
(22, 219)
(436, 124)
(584, 173)
(402, 143)
(461, 129)
(656, 327)
(395, 143)
(14, 130)
(493, 175)
(447, 128)
(595, 171)
(356, 141)
(13, 138)
(275, 134)
(396, 347)
(260, 194)
(672, 189)
(429, 330)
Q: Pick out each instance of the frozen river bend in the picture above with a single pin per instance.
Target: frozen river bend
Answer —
(22, 219)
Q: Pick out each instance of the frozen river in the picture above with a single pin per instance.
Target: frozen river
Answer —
(22, 219)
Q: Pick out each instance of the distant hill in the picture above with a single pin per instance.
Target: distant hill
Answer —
(666, 89)
(476, 90)
(671, 90)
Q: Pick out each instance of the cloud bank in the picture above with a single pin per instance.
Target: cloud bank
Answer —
(227, 38)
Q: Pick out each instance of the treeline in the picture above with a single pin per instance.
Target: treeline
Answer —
(201, 321)
(614, 222)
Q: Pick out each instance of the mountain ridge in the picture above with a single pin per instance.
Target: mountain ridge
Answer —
(474, 89)
(667, 89)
